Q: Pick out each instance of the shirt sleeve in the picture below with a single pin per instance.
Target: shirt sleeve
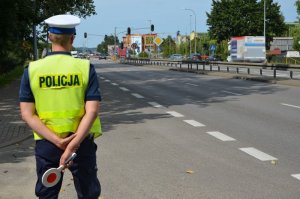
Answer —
(25, 93)
(93, 90)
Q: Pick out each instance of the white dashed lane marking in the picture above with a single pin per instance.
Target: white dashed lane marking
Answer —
(175, 114)
(290, 105)
(154, 104)
(137, 95)
(191, 84)
(194, 123)
(17, 122)
(107, 80)
(220, 136)
(232, 93)
(115, 84)
(124, 89)
(258, 154)
(297, 176)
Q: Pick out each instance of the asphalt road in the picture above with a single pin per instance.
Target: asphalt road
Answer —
(181, 135)
(176, 135)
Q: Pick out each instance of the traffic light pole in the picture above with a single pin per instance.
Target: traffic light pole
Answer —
(115, 40)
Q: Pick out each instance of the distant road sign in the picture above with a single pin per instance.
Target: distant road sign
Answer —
(157, 40)
(212, 47)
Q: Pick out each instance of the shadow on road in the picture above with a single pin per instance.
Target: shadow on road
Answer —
(119, 107)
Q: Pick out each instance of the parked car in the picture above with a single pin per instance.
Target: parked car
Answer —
(176, 57)
(195, 57)
(214, 58)
(102, 56)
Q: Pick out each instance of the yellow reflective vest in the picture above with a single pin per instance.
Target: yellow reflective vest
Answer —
(59, 83)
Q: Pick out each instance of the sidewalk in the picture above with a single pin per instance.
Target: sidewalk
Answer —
(12, 128)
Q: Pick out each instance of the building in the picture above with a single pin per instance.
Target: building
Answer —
(282, 43)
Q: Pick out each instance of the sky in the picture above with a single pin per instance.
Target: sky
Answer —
(168, 16)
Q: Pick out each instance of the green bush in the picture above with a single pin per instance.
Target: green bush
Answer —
(143, 55)
(8, 77)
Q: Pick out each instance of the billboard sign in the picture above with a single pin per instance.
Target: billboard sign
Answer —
(137, 42)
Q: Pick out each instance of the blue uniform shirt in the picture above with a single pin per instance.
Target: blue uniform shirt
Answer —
(92, 93)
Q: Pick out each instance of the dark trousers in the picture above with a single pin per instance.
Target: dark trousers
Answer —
(84, 169)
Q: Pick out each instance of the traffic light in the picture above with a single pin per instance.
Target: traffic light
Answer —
(85, 35)
(128, 31)
(152, 27)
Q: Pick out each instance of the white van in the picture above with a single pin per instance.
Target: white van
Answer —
(74, 53)
(292, 54)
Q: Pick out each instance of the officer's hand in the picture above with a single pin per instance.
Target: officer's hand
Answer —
(64, 157)
(63, 142)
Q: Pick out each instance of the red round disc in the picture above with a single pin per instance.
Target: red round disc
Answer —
(51, 177)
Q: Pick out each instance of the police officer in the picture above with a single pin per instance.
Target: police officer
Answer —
(59, 100)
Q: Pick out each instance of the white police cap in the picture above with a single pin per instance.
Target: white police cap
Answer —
(62, 24)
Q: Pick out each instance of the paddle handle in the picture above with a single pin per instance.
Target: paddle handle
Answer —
(71, 158)
(61, 167)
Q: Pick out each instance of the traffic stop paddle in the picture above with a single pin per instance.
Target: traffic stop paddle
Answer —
(53, 175)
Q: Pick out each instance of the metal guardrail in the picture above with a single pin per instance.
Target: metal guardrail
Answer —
(270, 70)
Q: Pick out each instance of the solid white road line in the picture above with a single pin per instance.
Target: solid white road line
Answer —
(17, 122)
(175, 114)
(155, 105)
(124, 89)
(290, 105)
(231, 93)
(297, 176)
(194, 123)
(137, 95)
(258, 154)
(191, 84)
(115, 84)
(220, 136)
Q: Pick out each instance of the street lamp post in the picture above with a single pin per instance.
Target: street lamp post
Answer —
(190, 34)
(264, 17)
(195, 36)
(35, 54)
(265, 20)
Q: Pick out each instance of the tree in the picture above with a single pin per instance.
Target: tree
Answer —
(240, 18)
(295, 33)
(297, 4)
(108, 40)
(14, 34)
(17, 19)
(168, 46)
